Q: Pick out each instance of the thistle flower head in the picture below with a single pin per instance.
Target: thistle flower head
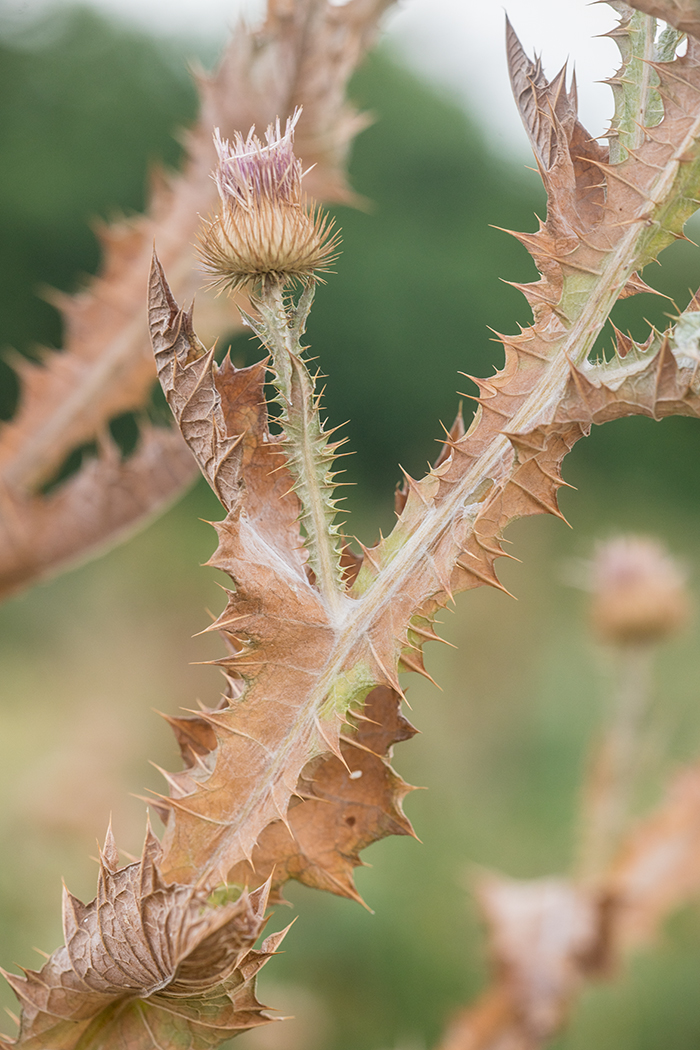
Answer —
(639, 592)
(265, 230)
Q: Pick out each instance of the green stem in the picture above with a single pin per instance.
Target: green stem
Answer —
(309, 454)
(633, 85)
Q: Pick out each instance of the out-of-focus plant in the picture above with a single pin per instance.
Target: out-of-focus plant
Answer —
(549, 936)
(287, 775)
(638, 600)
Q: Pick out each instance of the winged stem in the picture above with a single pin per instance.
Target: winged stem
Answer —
(308, 451)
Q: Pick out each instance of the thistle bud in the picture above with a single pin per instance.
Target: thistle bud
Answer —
(265, 230)
(639, 592)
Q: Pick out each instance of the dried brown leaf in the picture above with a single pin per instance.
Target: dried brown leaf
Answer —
(340, 808)
(228, 815)
(560, 142)
(603, 221)
(146, 965)
(42, 535)
(683, 14)
(344, 805)
(276, 623)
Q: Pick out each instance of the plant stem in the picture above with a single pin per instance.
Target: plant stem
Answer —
(310, 458)
(609, 790)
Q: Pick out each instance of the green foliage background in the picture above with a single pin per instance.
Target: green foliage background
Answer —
(86, 107)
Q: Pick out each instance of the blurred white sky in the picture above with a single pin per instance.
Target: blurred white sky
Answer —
(458, 43)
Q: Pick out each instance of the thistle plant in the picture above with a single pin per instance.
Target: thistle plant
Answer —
(287, 774)
(639, 599)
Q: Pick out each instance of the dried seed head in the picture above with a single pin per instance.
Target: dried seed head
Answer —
(265, 229)
(639, 592)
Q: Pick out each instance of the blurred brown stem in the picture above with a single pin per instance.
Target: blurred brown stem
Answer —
(609, 789)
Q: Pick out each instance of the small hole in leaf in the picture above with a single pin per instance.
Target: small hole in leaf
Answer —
(9, 391)
(125, 433)
(71, 465)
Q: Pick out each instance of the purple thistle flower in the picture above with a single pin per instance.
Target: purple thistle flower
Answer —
(248, 170)
(265, 231)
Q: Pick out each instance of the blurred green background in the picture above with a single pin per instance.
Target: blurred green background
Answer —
(86, 107)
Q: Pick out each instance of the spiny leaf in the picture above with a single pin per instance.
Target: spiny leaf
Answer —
(222, 413)
(303, 55)
(342, 806)
(146, 965)
(603, 221)
(243, 754)
(42, 535)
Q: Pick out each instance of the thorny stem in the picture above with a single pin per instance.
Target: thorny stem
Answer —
(575, 346)
(300, 406)
(608, 792)
(354, 618)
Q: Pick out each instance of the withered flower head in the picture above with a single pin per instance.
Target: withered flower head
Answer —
(639, 592)
(265, 229)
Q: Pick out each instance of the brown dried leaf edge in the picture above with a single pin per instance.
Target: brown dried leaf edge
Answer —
(101, 505)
